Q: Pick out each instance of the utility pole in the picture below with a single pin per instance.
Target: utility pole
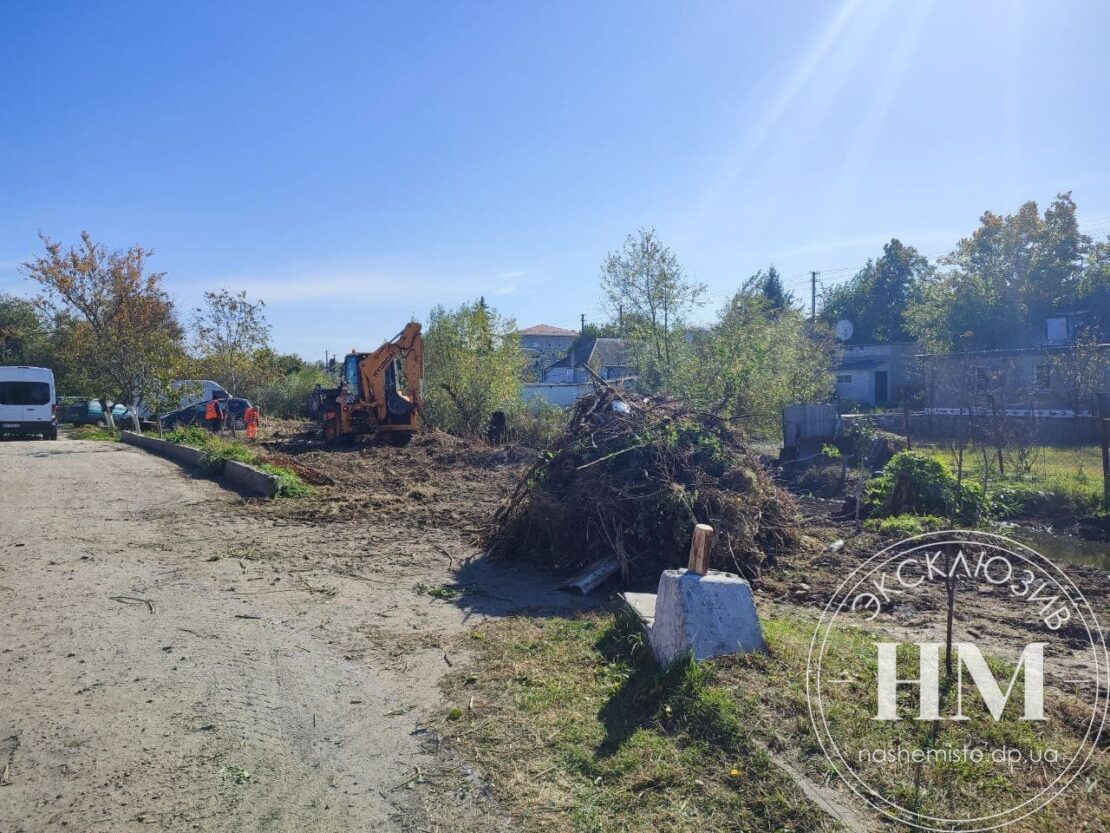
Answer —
(582, 315)
(620, 319)
(812, 297)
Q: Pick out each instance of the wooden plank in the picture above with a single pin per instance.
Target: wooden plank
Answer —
(591, 578)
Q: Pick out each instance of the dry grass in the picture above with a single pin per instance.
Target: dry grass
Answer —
(576, 730)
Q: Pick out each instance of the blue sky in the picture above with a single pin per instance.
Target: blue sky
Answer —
(355, 164)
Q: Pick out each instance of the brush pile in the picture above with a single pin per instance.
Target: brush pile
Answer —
(630, 478)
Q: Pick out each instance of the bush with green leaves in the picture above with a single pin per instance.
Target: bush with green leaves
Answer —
(1019, 500)
(904, 526)
(915, 483)
(538, 424)
(287, 397)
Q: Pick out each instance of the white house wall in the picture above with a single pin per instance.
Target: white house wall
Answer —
(860, 389)
(555, 393)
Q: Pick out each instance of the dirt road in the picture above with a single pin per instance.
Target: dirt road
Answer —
(171, 660)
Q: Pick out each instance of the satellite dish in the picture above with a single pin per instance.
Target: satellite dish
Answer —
(844, 329)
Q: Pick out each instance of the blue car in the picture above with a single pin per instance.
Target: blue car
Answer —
(194, 414)
(84, 412)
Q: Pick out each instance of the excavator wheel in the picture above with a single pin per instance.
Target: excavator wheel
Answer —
(398, 438)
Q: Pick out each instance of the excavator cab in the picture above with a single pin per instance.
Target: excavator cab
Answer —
(369, 400)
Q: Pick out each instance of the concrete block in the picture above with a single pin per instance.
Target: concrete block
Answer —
(642, 606)
(250, 478)
(708, 616)
(239, 474)
(180, 453)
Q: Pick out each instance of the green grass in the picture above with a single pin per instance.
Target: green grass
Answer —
(1051, 481)
(218, 450)
(577, 730)
(903, 526)
(93, 432)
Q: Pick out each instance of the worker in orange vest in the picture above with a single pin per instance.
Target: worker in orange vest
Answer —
(250, 417)
(212, 414)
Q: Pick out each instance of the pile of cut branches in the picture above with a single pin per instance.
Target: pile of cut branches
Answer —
(630, 478)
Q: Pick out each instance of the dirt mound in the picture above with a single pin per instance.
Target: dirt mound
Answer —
(631, 478)
(437, 480)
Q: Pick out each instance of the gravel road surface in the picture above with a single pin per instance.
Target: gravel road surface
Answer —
(168, 661)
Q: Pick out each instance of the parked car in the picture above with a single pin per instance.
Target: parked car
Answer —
(194, 414)
(27, 402)
(190, 392)
(121, 416)
(82, 412)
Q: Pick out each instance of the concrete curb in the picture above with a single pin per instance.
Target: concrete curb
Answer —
(238, 474)
(250, 478)
(180, 453)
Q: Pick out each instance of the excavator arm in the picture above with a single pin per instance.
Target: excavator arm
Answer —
(375, 375)
(378, 405)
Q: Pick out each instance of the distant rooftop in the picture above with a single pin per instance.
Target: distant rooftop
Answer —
(547, 330)
(599, 352)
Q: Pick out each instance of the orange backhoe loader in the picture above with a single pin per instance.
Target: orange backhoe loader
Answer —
(370, 400)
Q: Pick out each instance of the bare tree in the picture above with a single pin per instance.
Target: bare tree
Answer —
(1080, 370)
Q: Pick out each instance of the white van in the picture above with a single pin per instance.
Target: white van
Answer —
(193, 391)
(27, 402)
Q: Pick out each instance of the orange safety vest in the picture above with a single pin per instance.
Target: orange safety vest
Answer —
(212, 411)
(251, 418)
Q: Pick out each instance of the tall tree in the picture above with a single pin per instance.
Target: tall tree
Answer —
(998, 285)
(773, 291)
(755, 360)
(647, 288)
(231, 337)
(23, 333)
(125, 333)
(875, 299)
(473, 367)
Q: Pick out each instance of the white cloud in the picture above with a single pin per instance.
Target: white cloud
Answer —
(508, 276)
(504, 290)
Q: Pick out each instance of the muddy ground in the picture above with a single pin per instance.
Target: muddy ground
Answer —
(437, 494)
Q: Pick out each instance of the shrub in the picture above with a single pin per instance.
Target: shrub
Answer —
(822, 480)
(189, 435)
(918, 484)
(1016, 500)
(287, 398)
(537, 425)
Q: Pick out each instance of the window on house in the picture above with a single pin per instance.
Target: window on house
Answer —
(844, 378)
(982, 380)
(1042, 377)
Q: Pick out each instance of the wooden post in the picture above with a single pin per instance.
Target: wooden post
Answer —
(701, 545)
